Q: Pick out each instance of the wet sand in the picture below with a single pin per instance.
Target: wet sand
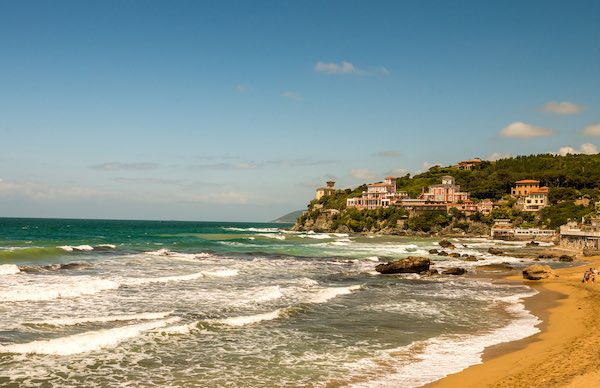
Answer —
(566, 351)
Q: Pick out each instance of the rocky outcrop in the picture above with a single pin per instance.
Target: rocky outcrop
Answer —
(442, 253)
(538, 272)
(411, 264)
(470, 258)
(495, 251)
(429, 272)
(454, 271)
(565, 258)
(495, 267)
(446, 244)
(532, 244)
(433, 251)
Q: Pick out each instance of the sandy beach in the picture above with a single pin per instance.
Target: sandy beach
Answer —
(563, 354)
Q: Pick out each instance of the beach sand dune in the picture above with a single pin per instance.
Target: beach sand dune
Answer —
(566, 353)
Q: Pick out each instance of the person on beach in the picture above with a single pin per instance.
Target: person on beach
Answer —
(586, 276)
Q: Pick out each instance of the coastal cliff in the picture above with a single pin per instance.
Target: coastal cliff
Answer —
(391, 221)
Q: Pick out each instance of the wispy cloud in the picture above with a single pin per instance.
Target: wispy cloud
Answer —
(251, 165)
(387, 154)
(363, 174)
(592, 130)
(117, 166)
(41, 191)
(336, 68)
(524, 130)
(562, 108)
(498, 155)
(292, 95)
(345, 67)
(586, 148)
(158, 181)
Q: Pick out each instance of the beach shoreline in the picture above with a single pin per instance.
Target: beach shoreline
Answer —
(562, 354)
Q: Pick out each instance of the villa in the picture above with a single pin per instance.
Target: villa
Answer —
(378, 195)
(468, 164)
(582, 237)
(447, 192)
(530, 196)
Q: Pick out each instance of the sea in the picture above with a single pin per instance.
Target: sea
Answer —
(110, 303)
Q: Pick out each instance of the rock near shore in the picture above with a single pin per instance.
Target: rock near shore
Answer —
(412, 264)
(446, 244)
(454, 271)
(538, 272)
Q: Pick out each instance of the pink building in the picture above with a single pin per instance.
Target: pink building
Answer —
(447, 192)
(378, 195)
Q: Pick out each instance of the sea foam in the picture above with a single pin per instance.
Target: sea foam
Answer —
(85, 342)
(110, 318)
(9, 269)
(250, 319)
(326, 294)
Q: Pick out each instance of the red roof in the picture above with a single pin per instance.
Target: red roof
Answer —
(528, 181)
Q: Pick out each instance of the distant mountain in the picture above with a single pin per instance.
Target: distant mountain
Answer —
(289, 218)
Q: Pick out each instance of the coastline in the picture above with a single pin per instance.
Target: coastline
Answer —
(562, 354)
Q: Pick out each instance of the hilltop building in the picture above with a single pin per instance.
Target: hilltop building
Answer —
(468, 164)
(327, 190)
(530, 196)
(447, 192)
(378, 195)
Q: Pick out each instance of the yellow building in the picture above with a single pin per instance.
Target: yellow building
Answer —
(327, 190)
(524, 187)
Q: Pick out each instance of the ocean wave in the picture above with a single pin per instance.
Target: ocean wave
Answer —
(426, 361)
(67, 287)
(222, 273)
(326, 294)
(163, 279)
(250, 319)
(85, 342)
(257, 230)
(110, 318)
(9, 269)
(76, 248)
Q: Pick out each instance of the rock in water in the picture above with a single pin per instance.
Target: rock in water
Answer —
(433, 251)
(454, 271)
(495, 251)
(532, 244)
(442, 253)
(565, 258)
(538, 272)
(446, 244)
(412, 264)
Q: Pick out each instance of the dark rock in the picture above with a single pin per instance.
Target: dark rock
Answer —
(546, 256)
(465, 255)
(538, 272)
(471, 258)
(433, 251)
(446, 244)
(412, 264)
(495, 251)
(429, 272)
(442, 253)
(454, 271)
(495, 267)
(532, 244)
(565, 258)
(454, 254)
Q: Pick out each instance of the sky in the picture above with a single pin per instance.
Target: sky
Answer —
(239, 110)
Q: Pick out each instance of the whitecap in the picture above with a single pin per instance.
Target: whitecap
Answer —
(163, 279)
(250, 319)
(222, 273)
(71, 248)
(85, 342)
(326, 294)
(66, 287)
(110, 318)
(9, 269)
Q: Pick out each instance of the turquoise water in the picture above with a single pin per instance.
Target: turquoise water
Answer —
(198, 304)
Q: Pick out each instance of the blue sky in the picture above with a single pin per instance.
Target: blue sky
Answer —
(236, 110)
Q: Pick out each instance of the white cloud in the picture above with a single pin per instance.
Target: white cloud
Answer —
(363, 174)
(292, 95)
(592, 130)
(562, 108)
(498, 155)
(586, 148)
(335, 68)
(523, 130)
